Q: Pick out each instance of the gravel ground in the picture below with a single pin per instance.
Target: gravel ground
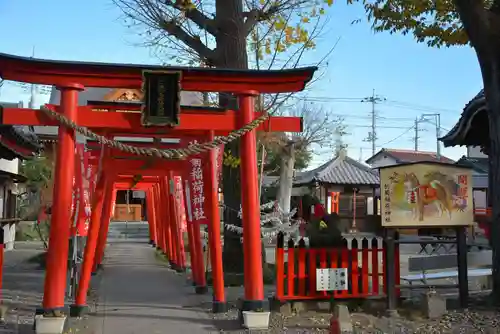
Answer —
(454, 322)
(22, 288)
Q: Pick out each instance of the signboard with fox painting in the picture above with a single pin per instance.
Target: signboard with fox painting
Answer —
(426, 194)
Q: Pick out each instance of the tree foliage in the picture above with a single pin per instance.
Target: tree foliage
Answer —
(273, 160)
(435, 22)
(38, 172)
(188, 31)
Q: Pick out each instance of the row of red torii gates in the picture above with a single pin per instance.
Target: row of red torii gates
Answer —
(118, 168)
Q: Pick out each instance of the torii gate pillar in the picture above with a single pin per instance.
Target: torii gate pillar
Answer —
(57, 255)
(252, 249)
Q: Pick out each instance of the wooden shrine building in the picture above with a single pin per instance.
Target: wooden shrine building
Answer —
(352, 183)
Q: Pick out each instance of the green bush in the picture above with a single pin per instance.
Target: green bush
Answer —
(325, 232)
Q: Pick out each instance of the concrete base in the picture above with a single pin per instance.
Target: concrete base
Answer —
(49, 325)
(77, 311)
(219, 307)
(256, 320)
(433, 305)
(340, 321)
(201, 290)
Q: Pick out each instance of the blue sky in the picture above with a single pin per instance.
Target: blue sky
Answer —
(413, 78)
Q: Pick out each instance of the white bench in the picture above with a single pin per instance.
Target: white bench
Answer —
(423, 277)
(479, 265)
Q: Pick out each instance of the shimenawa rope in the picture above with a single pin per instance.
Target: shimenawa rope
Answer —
(179, 153)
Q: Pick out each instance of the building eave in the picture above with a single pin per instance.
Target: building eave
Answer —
(474, 117)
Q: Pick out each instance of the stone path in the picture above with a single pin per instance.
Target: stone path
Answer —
(137, 294)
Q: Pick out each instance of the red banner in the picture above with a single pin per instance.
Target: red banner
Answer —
(180, 203)
(80, 208)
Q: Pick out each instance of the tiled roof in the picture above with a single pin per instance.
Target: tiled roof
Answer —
(98, 94)
(480, 165)
(405, 156)
(24, 142)
(472, 126)
(340, 170)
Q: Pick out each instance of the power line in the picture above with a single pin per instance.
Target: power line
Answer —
(399, 136)
(389, 103)
(437, 117)
(417, 106)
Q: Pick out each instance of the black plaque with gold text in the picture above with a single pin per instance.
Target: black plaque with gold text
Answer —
(161, 105)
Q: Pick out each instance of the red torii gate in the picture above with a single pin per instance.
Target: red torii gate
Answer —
(117, 166)
(131, 167)
(71, 78)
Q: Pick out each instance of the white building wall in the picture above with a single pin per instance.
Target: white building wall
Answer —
(11, 166)
(475, 152)
(382, 161)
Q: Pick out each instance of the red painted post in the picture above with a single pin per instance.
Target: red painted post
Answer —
(157, 215)
(211, 190)
(168, 237)
(280, 267)
(109, 198)
(192, 255)
(57, 254)
(168, 184)
(254, 284)
(2, 248)
(80, 305)
(195, 246)
(151, 217)
(160, 218)
(177, 220)
(200, 262)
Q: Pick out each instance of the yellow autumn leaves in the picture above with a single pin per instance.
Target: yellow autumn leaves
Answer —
(282, 32)
(230, 160)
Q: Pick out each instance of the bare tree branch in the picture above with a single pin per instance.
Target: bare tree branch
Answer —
(195, 15)
(194, 43)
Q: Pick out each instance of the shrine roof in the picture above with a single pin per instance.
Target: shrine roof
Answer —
(92, 94)
(17, 141)
(341, 170)
(479, 165)
(92, 74)
(472, 128)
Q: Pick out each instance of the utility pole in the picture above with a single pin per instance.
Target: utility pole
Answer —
(339, 141)
(372, 136)
(360, 155)
(437, 123)
(416, 134)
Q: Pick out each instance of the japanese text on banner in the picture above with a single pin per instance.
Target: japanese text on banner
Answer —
(197, 196)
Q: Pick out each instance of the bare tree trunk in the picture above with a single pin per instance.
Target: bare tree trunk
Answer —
(286, 178)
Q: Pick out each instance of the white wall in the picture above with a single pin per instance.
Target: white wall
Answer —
(11, 166)
(475, 152)
(382, 161)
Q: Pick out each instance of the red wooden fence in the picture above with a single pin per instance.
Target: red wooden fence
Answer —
(296, 269)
